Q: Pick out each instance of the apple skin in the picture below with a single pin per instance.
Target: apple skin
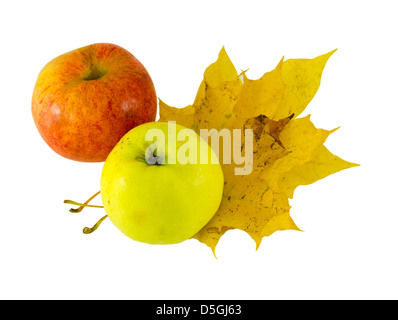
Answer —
(158, 204)
(85, 100)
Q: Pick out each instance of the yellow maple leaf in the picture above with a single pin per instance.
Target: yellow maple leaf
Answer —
(286, 90)
(287, 151)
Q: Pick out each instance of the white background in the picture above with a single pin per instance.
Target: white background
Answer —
(348, 247)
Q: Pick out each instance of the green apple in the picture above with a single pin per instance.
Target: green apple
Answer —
(164, 190)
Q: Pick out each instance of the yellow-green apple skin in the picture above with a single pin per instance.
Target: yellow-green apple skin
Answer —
(159, 203)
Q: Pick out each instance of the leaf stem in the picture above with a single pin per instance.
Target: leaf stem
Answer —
(88, 230)
(82, 205)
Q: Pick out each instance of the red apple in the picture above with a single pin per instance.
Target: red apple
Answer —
(85, 100)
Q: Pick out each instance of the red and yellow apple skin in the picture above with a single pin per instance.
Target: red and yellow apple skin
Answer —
(85, 100)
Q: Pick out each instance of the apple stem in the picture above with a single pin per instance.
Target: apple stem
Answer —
(88, 230)
(82, 205)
